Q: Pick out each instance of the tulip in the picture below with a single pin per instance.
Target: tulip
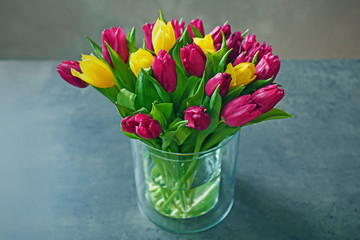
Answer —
(64, 70)
(267, 67)
(143, 125)
(267, 97)
(250, 42)
(242, 58)
(263, 49)
(198, 24)
(94, 72)
(217, 36)
(116, 39)
(163, 36)
(241, 74)
(193, 59)
(240, 111)
(148, 28)
(164, 70)
(206, 44)
(140, 59)
(178, 27)
(234, 43)
(197, 118)
(222, 79)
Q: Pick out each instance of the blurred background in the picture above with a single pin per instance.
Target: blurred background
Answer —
(297, 29)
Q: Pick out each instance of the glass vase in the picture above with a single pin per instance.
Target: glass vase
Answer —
(185, 193)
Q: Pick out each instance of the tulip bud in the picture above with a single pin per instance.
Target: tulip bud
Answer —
(163, 36)
(267, 97)
(148, 28)
(242, 58)
(140, 59)
(116, 39)
(234, 43)
(64, 70)
(240, 111)
(143, 125)
(193, 59)
(241, 74)
(267, 67)
(197, 118)
(262, 49)
(250, 42)
(222, 79)
(94, 72)
(178, 27)
(217, 36)
(164, 70)
(206, 44)
(198, 24)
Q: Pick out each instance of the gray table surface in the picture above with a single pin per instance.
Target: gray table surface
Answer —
(66, 168)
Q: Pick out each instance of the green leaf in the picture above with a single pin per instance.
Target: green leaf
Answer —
(126, 98)
(209, 67)
(254, 61)
(162, 16)
(145, 91)
(196, 32)
(164, 95)
(158, 115)
(219, 54)
(169, 136)
(255, 85)
(183, 134)
(110, 93)
(219, 135)
(97, 48)
(167, 110)
(270, 115)
(131, 41)
(194, 100)
(245, 33)
(232, 94)
(185, 38)
(214, 110)
(181, 86)
(220, 67)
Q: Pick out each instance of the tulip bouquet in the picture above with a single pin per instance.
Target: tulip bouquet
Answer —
(183, 91)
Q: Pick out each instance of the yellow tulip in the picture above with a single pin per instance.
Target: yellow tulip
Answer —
(241, 74)
(95, 72)
(163, 36)
(140, 59)
(206, 44)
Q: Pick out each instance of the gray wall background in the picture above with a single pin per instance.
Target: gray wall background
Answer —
(297, 29)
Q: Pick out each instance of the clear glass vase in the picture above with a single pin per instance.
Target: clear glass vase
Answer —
(186, 193)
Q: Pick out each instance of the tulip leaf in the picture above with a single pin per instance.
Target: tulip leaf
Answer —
(255, 85)
(157, 114)
(254, 61)
(185, 38)
(126, 98)
(169, 136)
(182, 135)
(274, 113)
(214, 110)
(232, 94)
(218, 136)
(194, 100)
(245, 33)
(110, 93)
(145, 91)
(97, 48)
(196, 32)
(160, 90)
(221, 65)
(167, 110)
(209, 67)
(181, 86)
(126, 77)
(162, 16)
(222, 51)
(131, 41)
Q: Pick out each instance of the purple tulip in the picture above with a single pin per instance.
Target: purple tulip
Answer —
(268, 67)
(197, 118)
(234, 43)
(193, 59)
(178, 27)
(267, 97)
(222, 79)
(64, 70)
(240, 111)
(217, 36)
(147, 28)
(164, 70)
(116, 39)
(198, 24)
(143, 125)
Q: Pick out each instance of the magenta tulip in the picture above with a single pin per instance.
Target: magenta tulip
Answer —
(197, 118)
(164, 70)
(240, 111)
(234, 43)
(147, 28)
(250, 42)
(178, 27)
(116, 39)
(198, 24)
(193, 59)
(143, 125)
(242, 58)
(64, 70)
(222, 79)
(217, 36)
(268, 67)
(267, 97)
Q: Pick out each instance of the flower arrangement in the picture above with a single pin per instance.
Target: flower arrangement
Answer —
(183, 91)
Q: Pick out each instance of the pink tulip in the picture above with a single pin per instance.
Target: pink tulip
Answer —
(193, 59)
(234, 43)
(164, 70)
(116, 39)
(217, 36)
(198, 24)
(197, 118)
(222, 79)
(64, 70)
(143, 125)
(268, 67)
(178, 27)
(147, 28)
(267, 97)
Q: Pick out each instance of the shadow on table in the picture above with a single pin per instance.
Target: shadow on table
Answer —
(258, 215)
